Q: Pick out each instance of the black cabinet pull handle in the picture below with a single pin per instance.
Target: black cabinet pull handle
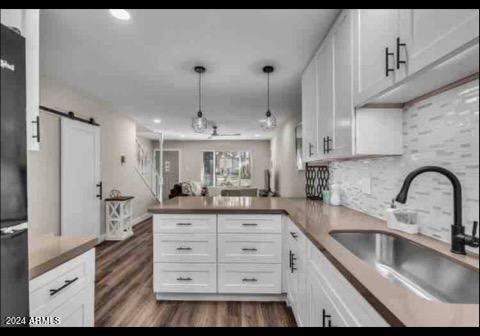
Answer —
(67, 283)
(249, 280)
(398, 52)
(181, 248)
(100, 191)
(387, 66)
(292, 262)
(184, 224)
(249, 249)
(249, 224)
(324, 317)
(37, 122)
(184, 279)
(310, 146)
(328, 144)
(293, 234)
(324, 145)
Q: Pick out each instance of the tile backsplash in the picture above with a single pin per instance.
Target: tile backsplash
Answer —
(443, 131)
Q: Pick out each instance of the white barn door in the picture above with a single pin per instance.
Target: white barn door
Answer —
(80, 178)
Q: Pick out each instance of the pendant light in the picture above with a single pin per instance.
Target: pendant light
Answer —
(199, 123)
(270, 122)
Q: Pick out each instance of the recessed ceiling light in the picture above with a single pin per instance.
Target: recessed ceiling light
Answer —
(257, 135)
(182, 135)
(157, 121)
(120, 14)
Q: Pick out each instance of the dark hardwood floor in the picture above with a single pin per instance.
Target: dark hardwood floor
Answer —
(124, 294)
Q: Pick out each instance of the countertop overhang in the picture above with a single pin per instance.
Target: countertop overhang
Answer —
(47, 252)
(398, 306)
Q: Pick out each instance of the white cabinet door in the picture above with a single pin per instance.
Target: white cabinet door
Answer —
(309, 118)
(343, 105)
(430, 34)
(375, 31)
(323, 311)
(325, 96)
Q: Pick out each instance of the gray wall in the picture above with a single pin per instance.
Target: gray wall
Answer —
(287, 180)
(117, 138)
(191, 158)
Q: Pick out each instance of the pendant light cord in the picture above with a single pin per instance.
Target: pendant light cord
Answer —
(268, 91)
(199, 91)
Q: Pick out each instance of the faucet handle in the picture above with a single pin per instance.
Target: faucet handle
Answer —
(474, 229)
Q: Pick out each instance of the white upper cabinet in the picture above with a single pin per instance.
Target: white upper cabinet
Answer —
(309, 119)
(376, 31)
(343, 86)
(401, 54)
(325, 97)
(426, 35)
(26, 21)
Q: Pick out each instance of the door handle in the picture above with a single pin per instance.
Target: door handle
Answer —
(387, 66)
(249, 249)
(184, 224)
(37, 122)
(398, 53)
(249, 224)
(100, 191)
(325, 145)
(310, 146)
(184, 279)
(292, 258)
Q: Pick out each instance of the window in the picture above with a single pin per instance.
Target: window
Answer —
(227, 169)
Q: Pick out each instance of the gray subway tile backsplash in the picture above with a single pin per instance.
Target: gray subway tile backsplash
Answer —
(443, 131)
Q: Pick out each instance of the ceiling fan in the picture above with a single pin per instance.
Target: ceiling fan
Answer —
(216, 134)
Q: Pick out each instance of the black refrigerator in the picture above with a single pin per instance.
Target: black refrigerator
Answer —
(13, 220)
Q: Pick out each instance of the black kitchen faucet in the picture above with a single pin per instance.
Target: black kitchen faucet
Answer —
(459, 238)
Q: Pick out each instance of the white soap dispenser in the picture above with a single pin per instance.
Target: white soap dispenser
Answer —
(390, 215)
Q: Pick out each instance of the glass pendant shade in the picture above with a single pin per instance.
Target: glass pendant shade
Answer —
(199, 123)
(269, 123)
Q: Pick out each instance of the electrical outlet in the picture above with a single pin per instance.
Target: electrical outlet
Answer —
(366, 185)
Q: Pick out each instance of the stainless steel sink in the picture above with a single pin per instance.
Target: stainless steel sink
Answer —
(423, 271)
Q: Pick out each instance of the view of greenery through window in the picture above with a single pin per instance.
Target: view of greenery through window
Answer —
(227, 169)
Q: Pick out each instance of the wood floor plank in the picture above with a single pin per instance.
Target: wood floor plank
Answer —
(124, 294)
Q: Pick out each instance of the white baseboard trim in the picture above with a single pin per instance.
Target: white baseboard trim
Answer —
(220, 297)
(141, 218)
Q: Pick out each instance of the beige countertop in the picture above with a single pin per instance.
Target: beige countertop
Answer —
(47, 252)
(396, 304)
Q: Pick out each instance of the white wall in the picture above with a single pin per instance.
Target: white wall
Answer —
(443, 131)
(287, 180)
(117, 138)
(191, 157)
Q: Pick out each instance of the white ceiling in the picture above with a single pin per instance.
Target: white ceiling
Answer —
(143, 67)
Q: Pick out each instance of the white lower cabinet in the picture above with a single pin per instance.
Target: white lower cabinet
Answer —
(260, 255)
(332, 300)
(65, 293)
(217, 254)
